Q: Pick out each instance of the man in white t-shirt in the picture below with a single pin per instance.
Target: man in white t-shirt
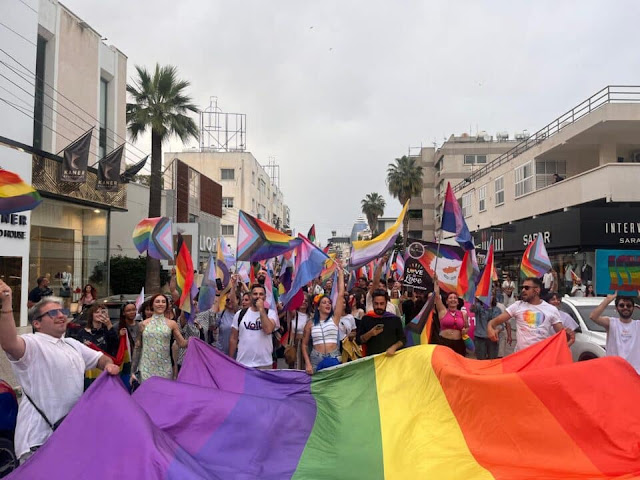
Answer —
(535, 318)
(251, 332)
(623, 333)
(49, 367)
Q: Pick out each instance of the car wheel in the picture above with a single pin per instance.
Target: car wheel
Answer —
(8, 460)
(587, 356)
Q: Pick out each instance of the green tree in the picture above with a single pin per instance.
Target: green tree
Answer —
(161, 105)
(127, 274)
(404, 179)
(373, 207)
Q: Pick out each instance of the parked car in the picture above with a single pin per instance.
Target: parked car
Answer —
(8, 416)
(591, 338)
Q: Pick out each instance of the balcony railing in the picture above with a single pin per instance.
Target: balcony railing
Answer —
(609, 94)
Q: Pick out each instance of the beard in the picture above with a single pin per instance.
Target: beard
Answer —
(379, 311)
(625, 314)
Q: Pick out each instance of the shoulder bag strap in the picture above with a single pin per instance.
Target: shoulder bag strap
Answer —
(38, 410)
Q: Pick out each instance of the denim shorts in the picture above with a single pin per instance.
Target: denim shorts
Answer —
(316, 357)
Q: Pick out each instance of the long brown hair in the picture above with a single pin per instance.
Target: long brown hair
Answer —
(94, 292)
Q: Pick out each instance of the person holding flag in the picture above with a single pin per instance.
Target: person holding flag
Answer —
(454, 323)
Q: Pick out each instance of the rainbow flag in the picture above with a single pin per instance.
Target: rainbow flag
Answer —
(535, 261)
(329, 268)
(484, 290)
(309, 263)
(122, 359)
(185, 276)
(422, 338)
(469, 272)
(410, 416)
(154, 236)
(365, 251)
(259, 241)
(15, 195)
(453, 221)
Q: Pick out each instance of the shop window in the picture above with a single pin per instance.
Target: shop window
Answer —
(499, 188)
(482, 198)
(227, 174)
(466, 204)
(524, 179)
(227, 230)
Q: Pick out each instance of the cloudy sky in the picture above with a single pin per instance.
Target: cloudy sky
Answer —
(335, 90)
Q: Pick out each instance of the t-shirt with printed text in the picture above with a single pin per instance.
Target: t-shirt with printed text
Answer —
(255, 347)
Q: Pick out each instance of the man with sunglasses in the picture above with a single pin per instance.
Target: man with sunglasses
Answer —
(49, 367)
(535, 318)
(623, 333)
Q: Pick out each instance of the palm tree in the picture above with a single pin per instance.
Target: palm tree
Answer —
(160, 104)
(373, 207)
(404, 179)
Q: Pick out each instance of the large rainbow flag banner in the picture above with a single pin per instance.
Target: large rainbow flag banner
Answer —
(15, 195)
(535, 261)
(365, 251)
(259, 241)
(424, 413)
(154, 236)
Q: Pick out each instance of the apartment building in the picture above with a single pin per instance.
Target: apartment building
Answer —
(59, 79)
(246, 186)
(456, 159)
(574, 181)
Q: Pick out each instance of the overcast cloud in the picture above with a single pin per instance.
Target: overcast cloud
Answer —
(335, 90)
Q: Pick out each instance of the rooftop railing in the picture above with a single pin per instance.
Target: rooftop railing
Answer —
(609, 94)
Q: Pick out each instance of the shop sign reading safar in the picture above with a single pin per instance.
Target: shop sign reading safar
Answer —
(10, 220)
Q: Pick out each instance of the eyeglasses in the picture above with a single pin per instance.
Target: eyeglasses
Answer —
(528, 287)
(625, 305)
(52, 313)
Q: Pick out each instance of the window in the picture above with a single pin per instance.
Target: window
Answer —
(227, 202)
(227, 230)
(38, 106)
(524, 179)
(102, 140)
(253, 205)
(482, 198)
(417, 234)
(227, 174)
(262, 186)
(473, 159)
(415, 213)
(499, 187)
(545, 170)
(253, 178)
(262, 212)
(466, 204)
(194, 186)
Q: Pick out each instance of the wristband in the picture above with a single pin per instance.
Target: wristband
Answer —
(6, 311)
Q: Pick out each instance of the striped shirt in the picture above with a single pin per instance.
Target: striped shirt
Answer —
(330, 330)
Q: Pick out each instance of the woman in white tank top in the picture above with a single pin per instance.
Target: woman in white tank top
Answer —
(323, 329)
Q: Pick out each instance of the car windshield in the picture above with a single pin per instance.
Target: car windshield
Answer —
(610, 311)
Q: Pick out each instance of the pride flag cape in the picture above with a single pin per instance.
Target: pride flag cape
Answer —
(484, 290)
(535, 261)
(153, 235)
(424, 413)
(364, 251)
(259, 241)
(15, 195)
(453, 221)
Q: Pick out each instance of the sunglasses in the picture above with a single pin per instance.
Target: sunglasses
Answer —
(625, 305)
(528, 287)
(52, 313)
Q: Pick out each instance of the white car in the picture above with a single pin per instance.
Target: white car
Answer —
(591, 338)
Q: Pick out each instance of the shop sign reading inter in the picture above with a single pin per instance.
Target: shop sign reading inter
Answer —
(13, 219)
(624, 228)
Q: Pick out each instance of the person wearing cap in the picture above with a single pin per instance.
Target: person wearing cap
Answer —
(49, 367)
